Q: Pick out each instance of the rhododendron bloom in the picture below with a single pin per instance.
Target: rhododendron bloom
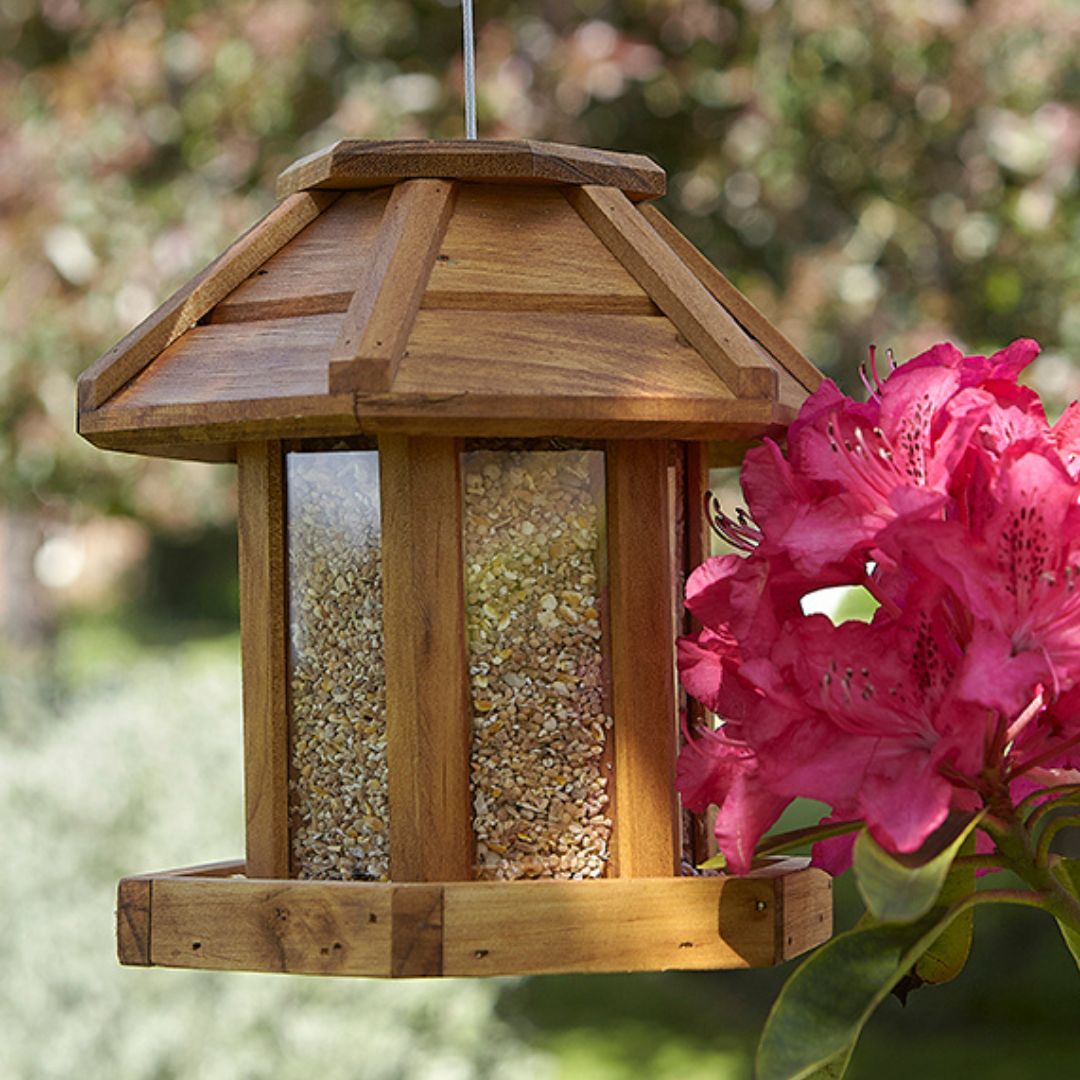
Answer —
(949, 496)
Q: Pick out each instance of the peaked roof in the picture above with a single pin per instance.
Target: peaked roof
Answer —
(469, 288)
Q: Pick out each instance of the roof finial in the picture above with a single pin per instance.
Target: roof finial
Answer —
(470, 69)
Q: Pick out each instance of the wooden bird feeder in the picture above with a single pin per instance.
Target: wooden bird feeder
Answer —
(473, 390)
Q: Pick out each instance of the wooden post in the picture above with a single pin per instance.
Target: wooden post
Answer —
(642, 658)
(698, 542)
(429, 717)
(263, 645)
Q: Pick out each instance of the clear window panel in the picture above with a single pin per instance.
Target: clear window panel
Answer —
(338, 777)
(534, 546)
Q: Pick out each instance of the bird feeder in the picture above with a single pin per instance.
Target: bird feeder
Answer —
(473, 390)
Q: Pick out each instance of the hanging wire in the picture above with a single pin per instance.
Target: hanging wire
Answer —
(470, 69)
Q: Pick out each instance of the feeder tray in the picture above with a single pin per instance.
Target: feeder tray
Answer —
(462, 324)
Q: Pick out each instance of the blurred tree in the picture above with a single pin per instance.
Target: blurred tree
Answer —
(891, 171)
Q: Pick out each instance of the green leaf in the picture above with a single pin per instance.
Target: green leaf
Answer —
(837, 1067)
(1067, 871)
(715, 862)
(821, 1010)
(903, 888)
(946, 957)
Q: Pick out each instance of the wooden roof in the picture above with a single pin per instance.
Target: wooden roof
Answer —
(486, 289)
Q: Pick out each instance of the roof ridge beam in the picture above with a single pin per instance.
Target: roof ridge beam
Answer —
(394, 279)
(738, 305)
(701, 319)
(138, 349)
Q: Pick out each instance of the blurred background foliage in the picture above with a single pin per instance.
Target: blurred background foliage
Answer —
(893, 172)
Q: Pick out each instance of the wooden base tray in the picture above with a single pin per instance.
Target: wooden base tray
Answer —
(214, 917)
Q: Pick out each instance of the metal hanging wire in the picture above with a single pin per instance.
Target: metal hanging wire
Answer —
(470, 68)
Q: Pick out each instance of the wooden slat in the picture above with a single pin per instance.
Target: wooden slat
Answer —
(316, 272)
(354, 163)
(675, 290)
(417, 913)
(525, 249)
(133, 921)
(466, 415)
(487, 928)
(225, 868)
(805, 912)
(263, 643)
(611, 924)
(395, 275)
(548, 354)
(429, 719)
(451, 355)
(307, 928)
(642, 601)
(747, 315)
(185, 307)
(236, 362)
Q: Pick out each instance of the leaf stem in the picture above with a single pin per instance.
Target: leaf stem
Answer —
(1056, 792)
(1046, 838)
(1048, 807)
(796, 838)
(1020, 855)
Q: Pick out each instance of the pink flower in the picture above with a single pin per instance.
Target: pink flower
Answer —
(949, 496)
(714, 768)
(1015, 564)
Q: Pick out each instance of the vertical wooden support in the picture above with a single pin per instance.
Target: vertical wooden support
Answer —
(133, 908)
(263, 643)
(698, 548)
(642, 600)
(429, 717)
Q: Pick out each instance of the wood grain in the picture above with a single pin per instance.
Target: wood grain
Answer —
(133, 906)
(611, 924)
(675, 290)
(223, 868)
(526, 249)
(429, 719)
(263, 644)
(642, 605)
(805, 911)
(354, 163)
(317, 271)
(237, 362)
(417, 914)
(548, 354)
(747, 315)
(395, 274)
(190, 303)
(505, 374)
(486, 928)
(307, 928)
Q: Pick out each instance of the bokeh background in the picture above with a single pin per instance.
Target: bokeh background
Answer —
(891, 172)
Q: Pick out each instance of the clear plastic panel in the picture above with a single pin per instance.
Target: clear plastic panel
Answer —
(534, 582)
(338, 777)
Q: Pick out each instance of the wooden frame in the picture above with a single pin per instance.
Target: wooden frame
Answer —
(263, 618)
(429, 713)
(216, 918)
(646, 841)
(354, 163)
